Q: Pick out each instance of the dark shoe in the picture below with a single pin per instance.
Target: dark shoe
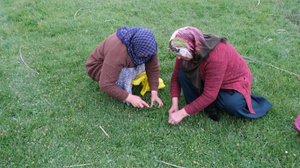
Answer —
(214, 116)
(212, 113)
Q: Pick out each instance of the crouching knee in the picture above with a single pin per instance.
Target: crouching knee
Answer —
(233, 104)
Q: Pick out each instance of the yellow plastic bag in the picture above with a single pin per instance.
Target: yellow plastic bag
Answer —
(142, 78)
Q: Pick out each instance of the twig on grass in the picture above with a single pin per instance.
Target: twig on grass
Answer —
(79, 165)
(77, 12)
(21, 57)
(171, 164)
(258, 3)
(273, 66)
(104, 131)
(83, 8)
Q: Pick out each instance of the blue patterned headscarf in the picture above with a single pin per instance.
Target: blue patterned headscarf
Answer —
(140, 43)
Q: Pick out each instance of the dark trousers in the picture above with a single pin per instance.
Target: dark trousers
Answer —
(230, 101)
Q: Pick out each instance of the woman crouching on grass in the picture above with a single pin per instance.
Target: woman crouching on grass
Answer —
(127, 48)
(213, 76)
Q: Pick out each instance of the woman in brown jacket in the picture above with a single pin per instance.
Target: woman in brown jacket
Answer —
(129, 47)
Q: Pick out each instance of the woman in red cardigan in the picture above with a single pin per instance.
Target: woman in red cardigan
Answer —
(213, 76)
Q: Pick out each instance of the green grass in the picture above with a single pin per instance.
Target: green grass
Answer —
(52, 120)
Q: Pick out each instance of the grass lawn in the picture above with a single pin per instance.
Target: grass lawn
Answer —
(52, 119)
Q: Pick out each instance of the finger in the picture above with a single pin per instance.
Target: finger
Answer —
(160, 103)
(172, 110)
(171, 120)
(152, 101)
(145, 104)
(141, 105)
(135, 105)
(138, 104)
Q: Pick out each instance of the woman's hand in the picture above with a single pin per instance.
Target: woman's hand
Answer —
(174, 106)
(173, 109)
(177, 116)
(136, 101)
(154, 97)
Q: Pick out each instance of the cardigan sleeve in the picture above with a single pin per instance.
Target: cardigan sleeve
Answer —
(175, 86)
(214, 70)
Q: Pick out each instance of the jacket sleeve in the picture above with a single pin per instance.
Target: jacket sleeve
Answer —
(108, 78)
(152, 71)
(94, 62)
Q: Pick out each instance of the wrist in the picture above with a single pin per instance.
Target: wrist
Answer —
(128, 98)
(154, 93)
(175, 100)
(185, 113)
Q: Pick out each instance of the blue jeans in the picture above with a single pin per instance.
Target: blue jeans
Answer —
(230, 101)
